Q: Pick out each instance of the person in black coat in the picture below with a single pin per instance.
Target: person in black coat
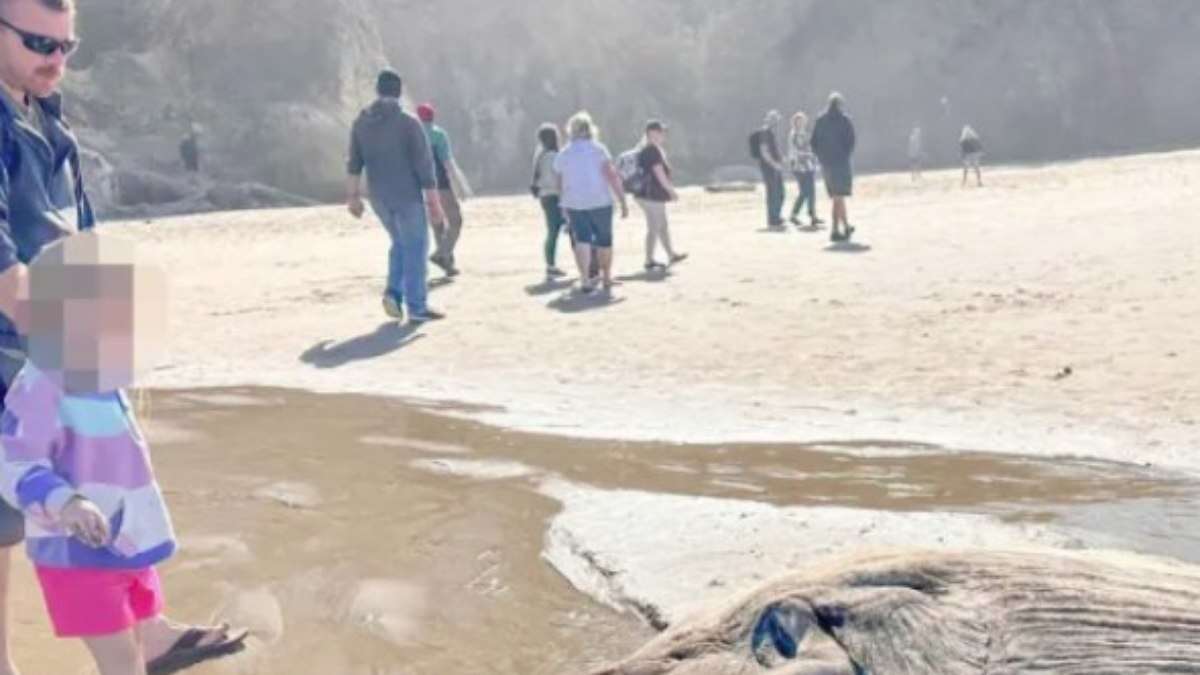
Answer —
(833, 142)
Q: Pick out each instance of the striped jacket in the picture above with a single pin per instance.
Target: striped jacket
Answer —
(54, 445)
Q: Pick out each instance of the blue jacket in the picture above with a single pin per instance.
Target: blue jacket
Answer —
(41, 189)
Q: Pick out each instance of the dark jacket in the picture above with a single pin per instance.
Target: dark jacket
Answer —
(391, 145)
(41, 189)
(833, 138)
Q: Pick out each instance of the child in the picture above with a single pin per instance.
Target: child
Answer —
(73, 459)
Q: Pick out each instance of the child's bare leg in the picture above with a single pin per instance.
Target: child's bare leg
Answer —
(117, 654)
(6, 665)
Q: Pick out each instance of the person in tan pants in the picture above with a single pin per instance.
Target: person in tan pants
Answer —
(452, 187)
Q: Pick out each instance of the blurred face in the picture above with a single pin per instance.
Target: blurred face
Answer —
(657, 137)
(22, 69)
(97, 317)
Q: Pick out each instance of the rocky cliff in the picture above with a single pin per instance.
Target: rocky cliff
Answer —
(274, 84)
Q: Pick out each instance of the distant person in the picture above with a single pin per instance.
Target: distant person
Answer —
(657, 190)
(972, 154)
(545, 189)
(916, 153)
(803, 165)
(189, 150)
(764, 146)
(833, 140)
(452, 188)
(393, 148)
(588, 182)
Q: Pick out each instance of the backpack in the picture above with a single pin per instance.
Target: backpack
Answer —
(633, 176)
(756, 145)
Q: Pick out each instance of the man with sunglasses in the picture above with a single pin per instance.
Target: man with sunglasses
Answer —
(41, 200)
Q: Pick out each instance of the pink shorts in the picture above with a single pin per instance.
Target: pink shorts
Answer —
(92, 602)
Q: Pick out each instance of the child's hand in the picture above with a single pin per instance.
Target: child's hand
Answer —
(86, 522)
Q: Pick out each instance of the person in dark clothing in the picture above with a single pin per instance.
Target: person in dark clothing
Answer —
(833, 142)
(392, 147)
(189, 151)
(657, 190)
(765, 148)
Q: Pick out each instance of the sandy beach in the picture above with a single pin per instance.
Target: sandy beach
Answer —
(533, 484)
(946, 324)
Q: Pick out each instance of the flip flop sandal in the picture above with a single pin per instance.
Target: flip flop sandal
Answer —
(187, 651)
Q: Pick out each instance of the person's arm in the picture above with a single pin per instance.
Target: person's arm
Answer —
(850, 137)
(354, 169)
(660, 172)
(14, 278)
(614, 181)
(537, 173)
(764, 151)
(28, 480)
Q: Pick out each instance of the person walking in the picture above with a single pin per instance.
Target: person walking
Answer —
(972, 154)
(392, 147)
(803, 165)
(764, 146)
(657, 190)
(916, 153)
(588, 181)
(452, 190)
(833, 140)
(545, 189)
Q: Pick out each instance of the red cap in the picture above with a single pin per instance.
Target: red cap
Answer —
(425, 112)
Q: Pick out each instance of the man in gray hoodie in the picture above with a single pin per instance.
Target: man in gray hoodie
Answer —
(391, 145)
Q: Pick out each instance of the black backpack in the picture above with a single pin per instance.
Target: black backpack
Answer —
(756, 145)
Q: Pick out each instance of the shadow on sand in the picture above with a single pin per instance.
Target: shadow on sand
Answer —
(385, 339)
(653, 276)
(548, 286)
(847, 247)
(575, 302)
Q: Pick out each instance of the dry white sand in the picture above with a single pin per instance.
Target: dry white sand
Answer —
(949, 329)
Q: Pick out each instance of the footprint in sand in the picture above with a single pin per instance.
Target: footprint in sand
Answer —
(388, 608)
(291, 495)
(257, 610)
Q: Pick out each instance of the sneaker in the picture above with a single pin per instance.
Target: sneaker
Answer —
(817, 221)
(795, 221)
(554, 273)
(654, 266)
(426, 315)
(849, 231)
(452, 271)
(678, 258)
(837, 237)
(440, 262)
(392, 306)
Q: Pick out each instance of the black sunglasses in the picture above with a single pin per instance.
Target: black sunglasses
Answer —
(40, 44)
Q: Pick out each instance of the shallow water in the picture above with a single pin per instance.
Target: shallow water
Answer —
(361, 535)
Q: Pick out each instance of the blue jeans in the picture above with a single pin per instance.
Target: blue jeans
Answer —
(774, 183)
(807, 181)
(408, 229)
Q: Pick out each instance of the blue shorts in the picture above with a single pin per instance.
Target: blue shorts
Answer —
(594, 226)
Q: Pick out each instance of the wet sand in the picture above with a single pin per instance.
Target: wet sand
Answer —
(363, 535)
